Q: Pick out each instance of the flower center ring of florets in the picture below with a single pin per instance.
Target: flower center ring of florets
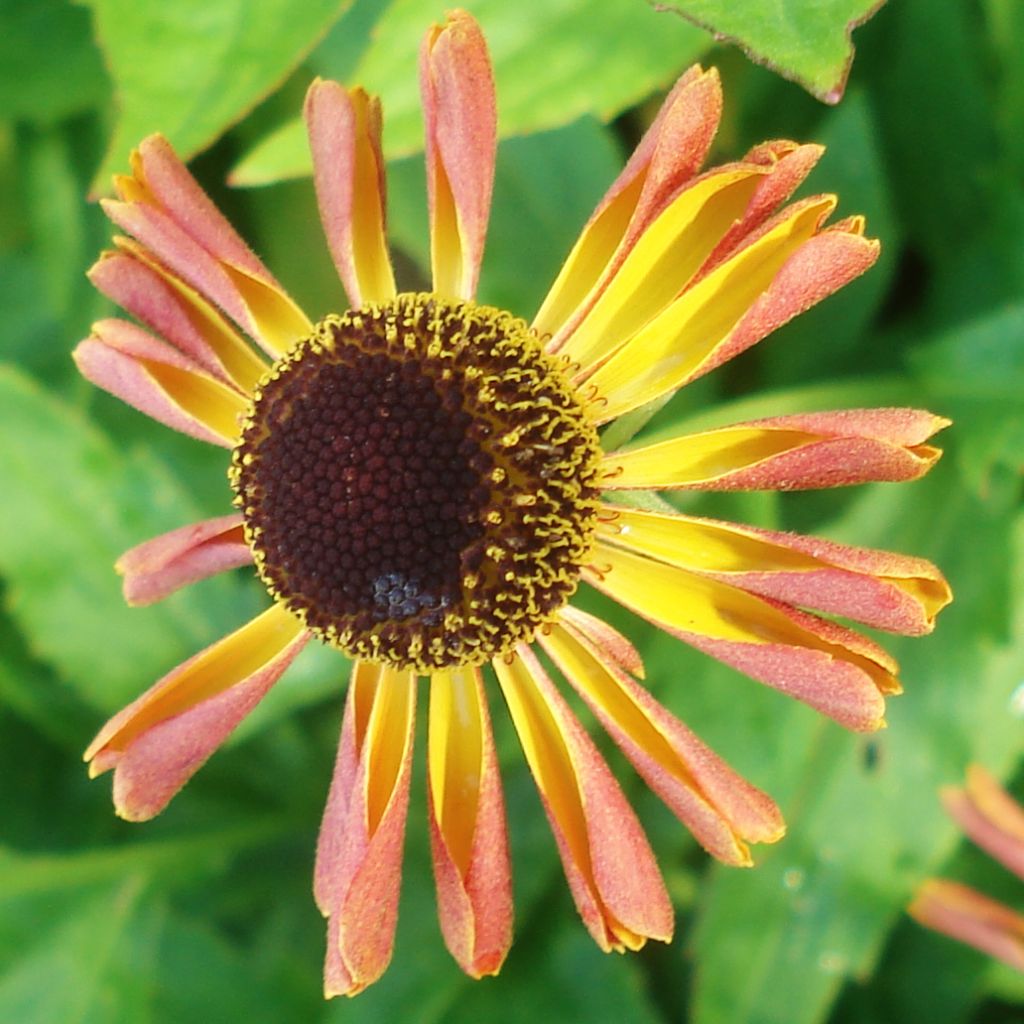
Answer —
(419, 482)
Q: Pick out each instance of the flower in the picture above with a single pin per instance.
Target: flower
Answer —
(995, 821)
(420, 482)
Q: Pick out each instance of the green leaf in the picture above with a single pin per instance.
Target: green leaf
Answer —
(563, 60)
(80, 967)
(237, 53)
(51, 66)
(73, 503)
(807, 41)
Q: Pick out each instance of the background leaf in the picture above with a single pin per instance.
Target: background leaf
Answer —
(237, 52)
(805, 40)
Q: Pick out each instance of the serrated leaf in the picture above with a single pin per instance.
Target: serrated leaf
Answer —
(807, 41)
(192, 68)
(562, 60)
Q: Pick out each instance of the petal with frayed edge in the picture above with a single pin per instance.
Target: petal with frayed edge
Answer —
(721, 809)
(190, 553)
(608, 862)
(359, 853)
(787, 453)
(887, 591)
(344, 127)
(460, 116)
(158, 742)
(842, 674)
(468, 836)
(158, 380)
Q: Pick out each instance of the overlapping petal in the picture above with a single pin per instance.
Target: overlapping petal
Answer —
(785, 453)
(158, 742)
(609, 865)
(359, 852)
(990, 817)
(966, 915)
(160, 566)
(669, 155)
(158, 380)
(887, 591)
(781, 271)
(722, 810)
(344, 128)
(841, 673)
(163, 207)
(177, 313)
(468, 836)
(460, 118)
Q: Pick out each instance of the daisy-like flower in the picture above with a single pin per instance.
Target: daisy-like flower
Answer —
(995, 822)
(420, 483)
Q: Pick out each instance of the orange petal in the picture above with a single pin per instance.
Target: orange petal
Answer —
(190, 553)
(966, 915)
(159, 381)
(720, 808)
(609, 865)
(835, 670)
(460, 116)
(990, 816)
(344, 128)
(883, 590)
(468, 837)
(787, 453)
(158, 742)
(359, 852)
(670, 153)
(605, 638)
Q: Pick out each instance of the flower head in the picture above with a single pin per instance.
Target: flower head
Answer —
(995, 821)
(419, 482)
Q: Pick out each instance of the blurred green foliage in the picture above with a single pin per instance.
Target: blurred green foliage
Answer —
(206, 914)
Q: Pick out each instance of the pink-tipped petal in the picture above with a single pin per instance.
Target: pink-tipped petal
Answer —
(177, 313)
(887, 591)
(966, 915)
(668, 156)
(170, 186)
(460, 116)
(359, 852)
(608, 862)
(781, 270)
(990, 817)
(159, 381)
(790, 164)
(605, 638)
(468, 836)
(190, 553)
(721, 809)
(344, 129)
(833, 669)
(164, 209)
(157, 743)
(787, 453)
